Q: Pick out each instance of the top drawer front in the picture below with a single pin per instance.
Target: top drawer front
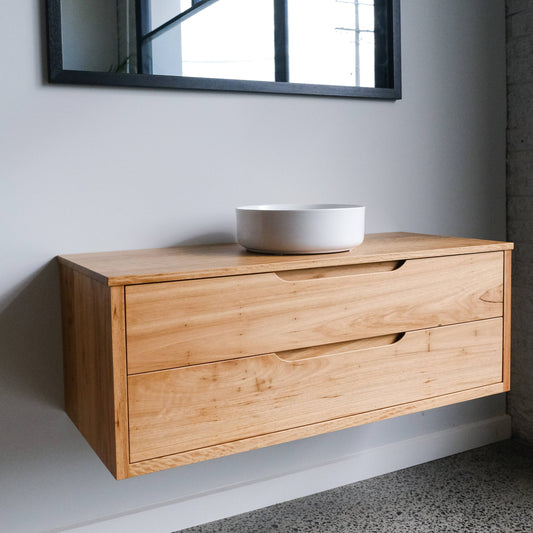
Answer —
(190, 322)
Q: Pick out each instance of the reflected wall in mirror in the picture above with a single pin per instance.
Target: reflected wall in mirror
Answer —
(328, 47)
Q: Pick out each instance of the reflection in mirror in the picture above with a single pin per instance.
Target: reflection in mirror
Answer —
(321, 30)
(344, 47)
(231, 39)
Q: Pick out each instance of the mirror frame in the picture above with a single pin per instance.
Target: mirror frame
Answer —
(57, 74)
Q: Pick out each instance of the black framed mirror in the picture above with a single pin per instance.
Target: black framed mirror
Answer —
(318, 47)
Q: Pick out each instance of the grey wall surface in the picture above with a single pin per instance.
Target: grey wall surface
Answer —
(520, 208)
(91, 169)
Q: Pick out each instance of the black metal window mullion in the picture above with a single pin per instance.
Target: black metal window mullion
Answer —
(143, 24)
(281, 40)
(383, 44)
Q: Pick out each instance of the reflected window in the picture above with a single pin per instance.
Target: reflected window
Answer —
(319, 42)
(263, 40)
(229, 39)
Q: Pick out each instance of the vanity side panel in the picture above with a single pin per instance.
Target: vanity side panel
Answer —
(94, 380)
(507, 268)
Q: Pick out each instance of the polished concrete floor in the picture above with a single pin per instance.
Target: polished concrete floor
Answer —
(486, 490)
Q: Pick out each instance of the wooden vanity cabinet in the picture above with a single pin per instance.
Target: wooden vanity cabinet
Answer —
(178, 355)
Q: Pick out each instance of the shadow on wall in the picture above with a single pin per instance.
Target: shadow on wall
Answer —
(30, 340)
(31, 359)
(219, 237)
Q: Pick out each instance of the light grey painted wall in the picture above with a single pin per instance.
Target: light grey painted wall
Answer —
(89, 169)
(520, 207)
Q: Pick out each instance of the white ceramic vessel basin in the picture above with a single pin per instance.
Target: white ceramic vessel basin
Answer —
(300, 228)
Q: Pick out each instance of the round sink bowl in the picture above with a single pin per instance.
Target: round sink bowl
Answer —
(300, 228)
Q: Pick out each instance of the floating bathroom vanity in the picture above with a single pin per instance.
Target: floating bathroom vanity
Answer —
(178, 355)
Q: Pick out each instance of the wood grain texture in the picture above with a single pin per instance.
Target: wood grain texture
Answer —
(252, 396)
(94, 365)
(198, 321)
(319, 313)
(269, 439)
(507, 321)
(120, 395)
(195, 262)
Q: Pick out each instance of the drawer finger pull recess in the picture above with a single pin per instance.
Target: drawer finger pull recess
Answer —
(340, 347)
(335, 272)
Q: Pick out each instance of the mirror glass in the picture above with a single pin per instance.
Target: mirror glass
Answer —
(337, 47)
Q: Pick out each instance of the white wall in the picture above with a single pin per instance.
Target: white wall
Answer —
(90, 169)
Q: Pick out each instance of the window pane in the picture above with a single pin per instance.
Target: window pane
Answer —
(230, 39)
(331, 42)
(162, 10)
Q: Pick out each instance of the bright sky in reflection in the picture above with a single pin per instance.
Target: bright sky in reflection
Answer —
(330, 41)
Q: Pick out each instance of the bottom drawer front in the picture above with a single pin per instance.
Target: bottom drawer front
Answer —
(188, 408)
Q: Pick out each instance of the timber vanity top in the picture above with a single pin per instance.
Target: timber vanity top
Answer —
(178, 355)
